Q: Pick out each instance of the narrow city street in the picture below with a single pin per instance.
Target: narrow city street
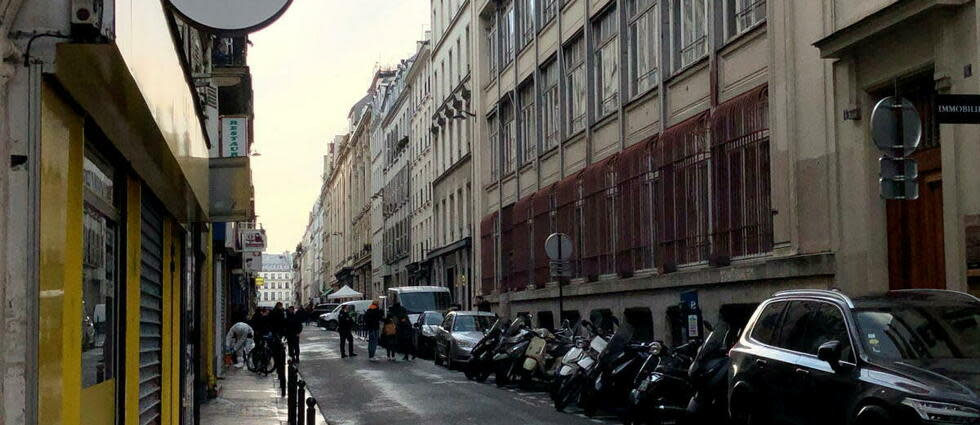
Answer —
(356, 391)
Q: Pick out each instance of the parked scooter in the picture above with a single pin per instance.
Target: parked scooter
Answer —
(480, 365)
(610, 382)
(578, 343)
(577, 366)
(662, 387)
(709, 376)
(509, 355)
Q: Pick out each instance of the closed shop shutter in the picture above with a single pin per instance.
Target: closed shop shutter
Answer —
(151, 306)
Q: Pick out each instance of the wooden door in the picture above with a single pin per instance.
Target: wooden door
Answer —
(916, 255)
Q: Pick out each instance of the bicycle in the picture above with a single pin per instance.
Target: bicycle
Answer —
(262, 359)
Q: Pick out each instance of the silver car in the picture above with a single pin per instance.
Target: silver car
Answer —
(460, 331)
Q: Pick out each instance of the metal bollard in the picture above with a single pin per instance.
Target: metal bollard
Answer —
(310, 411)
(291, 397)
(300, 396)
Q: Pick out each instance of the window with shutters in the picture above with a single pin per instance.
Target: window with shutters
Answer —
(742, 15)
(606, 63)
(508, 35)
(690, 31)
(492, 53)
(575, 84)
(493, 131)
(151, 310)
(643, 17)
(528, 133)
(527, 31)
(550, 106)
(507, 135)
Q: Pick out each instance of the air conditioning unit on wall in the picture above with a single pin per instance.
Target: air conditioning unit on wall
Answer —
(91, 19)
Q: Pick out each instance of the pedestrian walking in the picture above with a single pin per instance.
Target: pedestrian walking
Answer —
(278, 328)
(406, 344)
(294, 326)
(389, 338)
(345, 327)
(238, 341)
(372, 319)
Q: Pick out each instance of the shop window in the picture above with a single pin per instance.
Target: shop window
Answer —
(100, 271)
(641, 319)
(546, 319)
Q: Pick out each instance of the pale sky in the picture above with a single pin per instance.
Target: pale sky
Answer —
(308, 69)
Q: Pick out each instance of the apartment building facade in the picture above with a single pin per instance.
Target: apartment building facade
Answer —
(420, 165)
(698, 152)
(383, 79)
(277, 281)
(397, 110)
(452, 139)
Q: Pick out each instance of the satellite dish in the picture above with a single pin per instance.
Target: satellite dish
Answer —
(231, 16)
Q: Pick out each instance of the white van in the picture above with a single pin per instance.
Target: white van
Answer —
(329, 320)
(419, 299)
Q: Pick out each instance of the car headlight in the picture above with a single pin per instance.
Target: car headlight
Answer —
(934, 411)
(656, 348)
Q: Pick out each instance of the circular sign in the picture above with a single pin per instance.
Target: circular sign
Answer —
(558, 246)
(231, 16)
(896, 126)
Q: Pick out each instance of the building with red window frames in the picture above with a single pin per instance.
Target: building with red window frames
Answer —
(714, 163)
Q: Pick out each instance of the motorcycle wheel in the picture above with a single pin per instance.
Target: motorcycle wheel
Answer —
(526, 382)
(566, 394)
(482, 375)
(469, 372)
(503, 375)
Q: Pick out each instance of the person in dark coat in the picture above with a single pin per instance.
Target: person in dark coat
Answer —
(404, 332)
(345, 327)
(372, 319)
(294, 325)
(482, 304)
(277, 327)
(260, 323)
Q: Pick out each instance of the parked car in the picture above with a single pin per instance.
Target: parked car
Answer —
(426, 327)
(460, 331)
(329, 320)
(819, 357)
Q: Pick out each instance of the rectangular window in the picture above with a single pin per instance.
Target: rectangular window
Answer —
(493, 130)
(740, 15)
(643, 16)
(549, 9)
(690, 30)
(550, 106)
(576, 84)
(100, 265)
(606, 48)
(492, 52)
(508, 31)
(507, 133)
(528, 133)
(527, 22)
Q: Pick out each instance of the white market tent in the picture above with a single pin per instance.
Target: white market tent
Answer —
(344, 293)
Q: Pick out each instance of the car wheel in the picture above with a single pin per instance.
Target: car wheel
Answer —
(742, 409)
(436, 357)
(873, 415)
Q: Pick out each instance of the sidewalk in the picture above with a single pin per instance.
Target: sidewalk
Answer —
(245, 398)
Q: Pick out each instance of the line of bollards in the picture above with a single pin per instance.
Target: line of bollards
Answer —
(296, 398)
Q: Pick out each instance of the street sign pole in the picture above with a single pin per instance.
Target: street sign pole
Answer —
(561, 304)
(558, 247)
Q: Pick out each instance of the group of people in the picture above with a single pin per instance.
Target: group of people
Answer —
(267, 325)
(394, 332)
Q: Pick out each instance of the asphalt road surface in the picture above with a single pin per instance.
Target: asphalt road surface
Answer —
(354, 391)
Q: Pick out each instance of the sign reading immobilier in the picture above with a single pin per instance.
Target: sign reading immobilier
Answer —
(958, 108)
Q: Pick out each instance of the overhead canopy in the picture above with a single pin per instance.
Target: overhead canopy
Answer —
(345, 292)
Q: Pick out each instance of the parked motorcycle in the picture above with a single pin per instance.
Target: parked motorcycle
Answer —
(480, 365)
(610, 382)
(509, 356)
(575, 376)
(662, 388)
(708, 374)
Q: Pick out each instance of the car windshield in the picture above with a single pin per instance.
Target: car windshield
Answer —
(466, 323)
(417, 302)
(433, 318)
(921, 332)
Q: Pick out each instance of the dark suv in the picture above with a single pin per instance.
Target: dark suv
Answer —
(819, 357)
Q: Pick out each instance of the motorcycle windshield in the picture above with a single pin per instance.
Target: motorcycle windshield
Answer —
(714, 346)
(617, 344)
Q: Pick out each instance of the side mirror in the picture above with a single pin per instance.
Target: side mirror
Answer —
(830, 352)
